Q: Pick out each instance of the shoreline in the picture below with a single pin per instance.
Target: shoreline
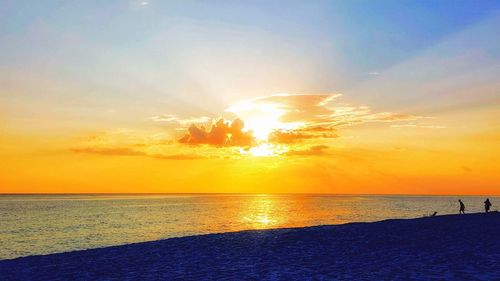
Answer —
(233, 232)
(447, 246)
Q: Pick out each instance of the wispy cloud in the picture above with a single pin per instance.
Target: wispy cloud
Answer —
(317, 150)
(172, 118)
(164, 118)
(178, 156)
(295, 136)
(312, 111)
(418, 126)
(126, 151)
(111, 151)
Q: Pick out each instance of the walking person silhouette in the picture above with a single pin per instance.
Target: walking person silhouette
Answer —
(462, 207)
(487, 205)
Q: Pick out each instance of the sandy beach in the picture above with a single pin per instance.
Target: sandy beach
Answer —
(450, 247)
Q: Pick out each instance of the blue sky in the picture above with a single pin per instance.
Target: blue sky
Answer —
(372, 34)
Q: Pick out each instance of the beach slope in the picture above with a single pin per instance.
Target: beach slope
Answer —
(451, 247)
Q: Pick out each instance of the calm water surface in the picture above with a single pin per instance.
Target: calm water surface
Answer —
(43, 224)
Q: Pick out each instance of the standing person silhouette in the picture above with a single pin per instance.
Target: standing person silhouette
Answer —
(487, 205)
(462, 207)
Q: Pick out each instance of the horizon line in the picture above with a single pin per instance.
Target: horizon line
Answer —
(241, 193)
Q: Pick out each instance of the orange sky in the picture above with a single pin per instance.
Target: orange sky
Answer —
(307, 143)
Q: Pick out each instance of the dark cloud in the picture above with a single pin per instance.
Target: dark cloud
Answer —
(221, 133)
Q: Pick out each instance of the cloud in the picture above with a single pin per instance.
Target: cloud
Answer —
(284, 119)
(118, 151)
(172, 118)
(314, 111)
(164, 118)
(390, 116)
(418, 126)
(287, 137)
(316, 150)
(221, 133)
(291, 121)
(125, 151)
(281, 119)
(295, 136)
(178, 156)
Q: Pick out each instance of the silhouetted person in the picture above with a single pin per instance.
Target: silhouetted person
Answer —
(487, 205)
(462, 207)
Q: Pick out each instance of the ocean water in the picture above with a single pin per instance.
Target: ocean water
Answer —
(44, 224)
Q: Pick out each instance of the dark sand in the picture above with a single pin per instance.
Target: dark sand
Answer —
(451, 247)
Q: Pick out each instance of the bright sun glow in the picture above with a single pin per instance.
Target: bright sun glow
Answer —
(262, 118)
(264, 150)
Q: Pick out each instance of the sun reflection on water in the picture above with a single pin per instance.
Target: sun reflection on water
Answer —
(260, 212)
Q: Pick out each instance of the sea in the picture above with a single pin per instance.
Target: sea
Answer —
(39, 224)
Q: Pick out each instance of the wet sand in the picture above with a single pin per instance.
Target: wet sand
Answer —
(451, 247)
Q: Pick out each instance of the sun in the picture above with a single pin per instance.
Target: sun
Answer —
(262, 118)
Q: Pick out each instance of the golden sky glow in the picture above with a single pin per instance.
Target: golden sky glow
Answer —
(312, 143)
(197, 98)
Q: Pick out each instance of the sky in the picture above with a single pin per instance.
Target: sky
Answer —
(343, 97)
